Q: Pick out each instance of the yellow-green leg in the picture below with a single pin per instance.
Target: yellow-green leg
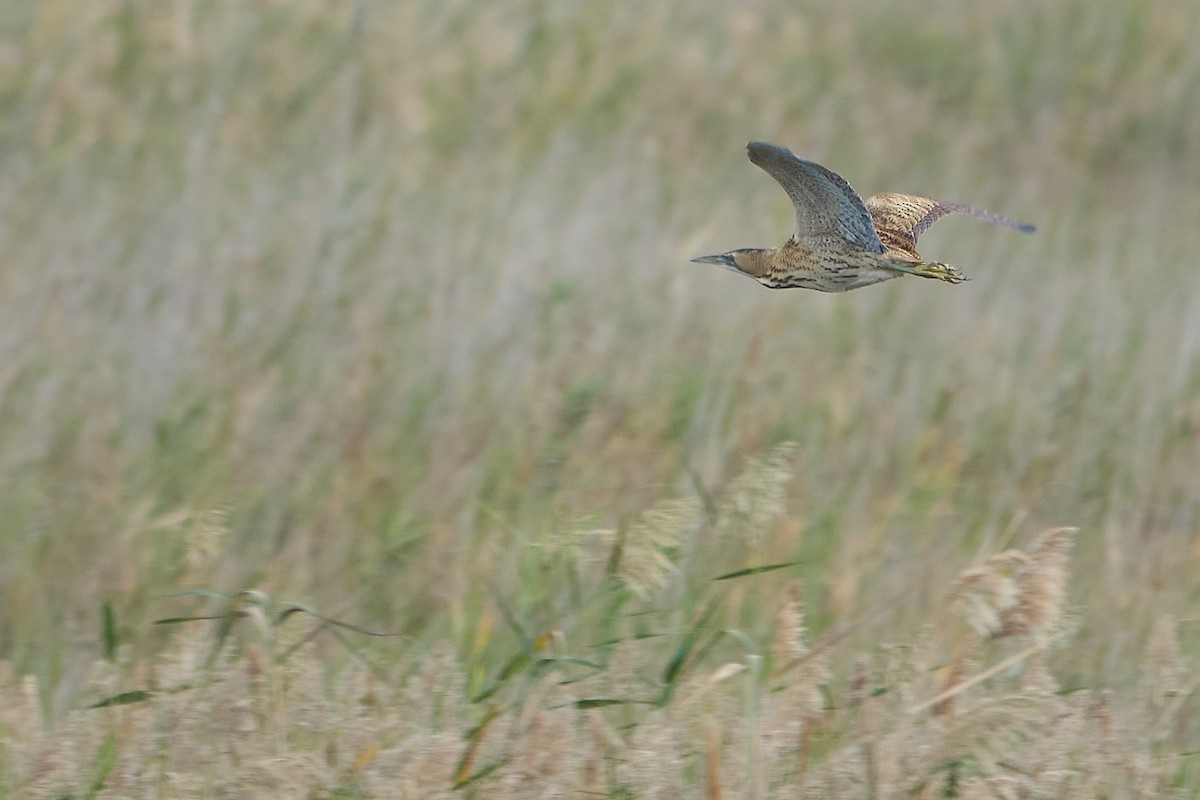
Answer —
(931, 269)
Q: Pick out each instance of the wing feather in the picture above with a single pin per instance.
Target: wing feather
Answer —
(901, 218)
(825, 204)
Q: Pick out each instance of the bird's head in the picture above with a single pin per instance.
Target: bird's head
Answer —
(747, 261)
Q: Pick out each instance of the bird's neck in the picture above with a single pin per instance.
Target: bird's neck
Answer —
(757, 263)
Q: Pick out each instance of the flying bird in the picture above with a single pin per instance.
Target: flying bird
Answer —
(842, 243)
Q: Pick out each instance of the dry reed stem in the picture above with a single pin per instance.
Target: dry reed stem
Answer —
(712, 759)
(980, 677)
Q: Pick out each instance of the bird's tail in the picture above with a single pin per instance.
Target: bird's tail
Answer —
(931, 269)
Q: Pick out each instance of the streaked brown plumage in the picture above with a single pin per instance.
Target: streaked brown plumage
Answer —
(840, 242)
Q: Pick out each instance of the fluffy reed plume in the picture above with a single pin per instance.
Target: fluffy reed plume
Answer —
(1166, 683)
(790, 632)
(792, 714)
(646, 554)
(205, 535)
(757, 495)
(1018, 593)
(1163, 671)
(803, 671)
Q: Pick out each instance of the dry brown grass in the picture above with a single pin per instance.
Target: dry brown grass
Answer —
(909, 722)
(386, 307)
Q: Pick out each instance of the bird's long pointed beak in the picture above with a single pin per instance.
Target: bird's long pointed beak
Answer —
(723, 259)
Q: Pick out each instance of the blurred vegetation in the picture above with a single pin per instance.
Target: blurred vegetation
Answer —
(385, 307)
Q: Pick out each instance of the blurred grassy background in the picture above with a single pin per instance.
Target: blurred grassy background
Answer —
(386, 306)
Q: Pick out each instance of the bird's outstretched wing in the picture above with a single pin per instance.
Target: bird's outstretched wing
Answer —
(901, 218)
(825, 203)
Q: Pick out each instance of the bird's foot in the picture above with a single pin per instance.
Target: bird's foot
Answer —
(932, 269)
(942, 272)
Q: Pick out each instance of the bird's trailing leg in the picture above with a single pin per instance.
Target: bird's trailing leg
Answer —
(931, 269)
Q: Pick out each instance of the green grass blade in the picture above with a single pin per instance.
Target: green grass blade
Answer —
(741, 573)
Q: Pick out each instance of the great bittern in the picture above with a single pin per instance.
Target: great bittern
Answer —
(840, 242)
